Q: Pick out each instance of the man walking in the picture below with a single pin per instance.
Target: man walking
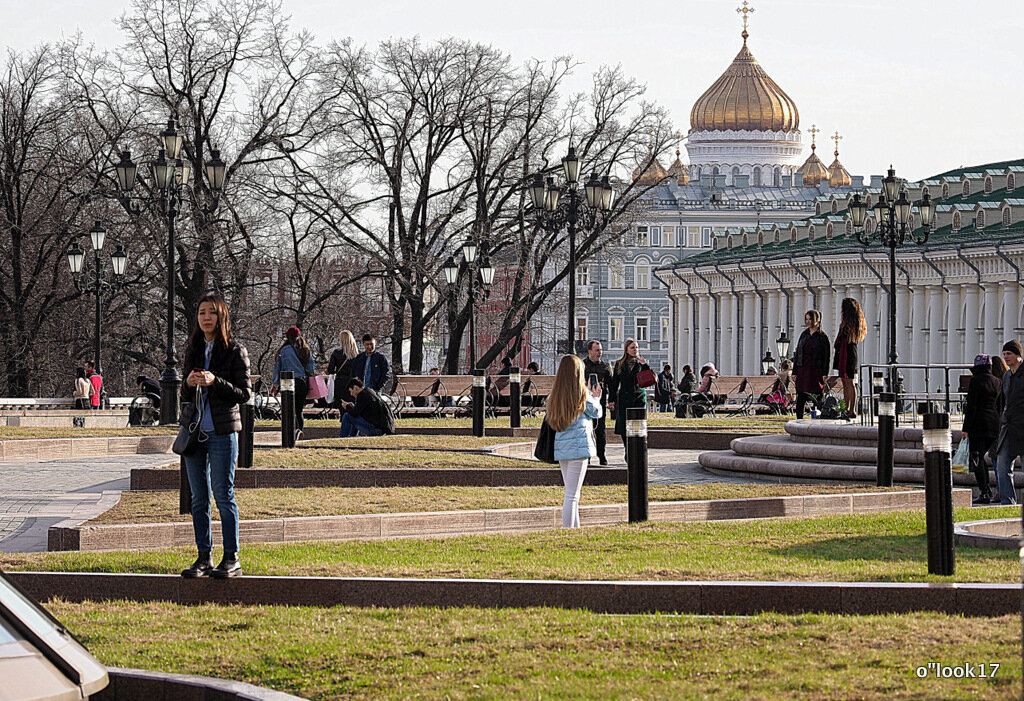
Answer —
(367, 415)
(372, 367)
(1010, 442)
(593, 365)
(96, 380)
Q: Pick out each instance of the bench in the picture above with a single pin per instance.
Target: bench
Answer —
(762, 385)
(62, 403)
(536, 389)
(452, 395)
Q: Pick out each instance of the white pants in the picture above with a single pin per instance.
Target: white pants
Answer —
(573, 472)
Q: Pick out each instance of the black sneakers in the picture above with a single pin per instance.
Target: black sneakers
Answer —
(202, 567)
(228, 567)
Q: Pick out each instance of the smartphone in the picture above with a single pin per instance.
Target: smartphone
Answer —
(593, 379)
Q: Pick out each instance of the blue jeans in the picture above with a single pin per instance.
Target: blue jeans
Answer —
(351, 425)
(1004, 474)
(214, 463)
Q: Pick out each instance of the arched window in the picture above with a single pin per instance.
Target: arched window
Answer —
(924, 191)
(1011, 182)
(967, 188)
(643, 275)
(735, 174)
(760, 238)
(910, 222)
(817, 209)
(810, 233)
(1006, 216)
(849, 227)
(988, 183)
(714, 172)
(869, 226)
(828, 231)
(835, 206)
(979, 220)
(777, 177)
(956, 221)
(792, 235)
(697, 173)
(945, 190)
(757, 176)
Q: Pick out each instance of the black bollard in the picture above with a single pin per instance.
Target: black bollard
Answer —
(247, 413)
(287, 409)
(886, 438)
(515, 398)
(938, 494)
(636, 463)
(479, 387)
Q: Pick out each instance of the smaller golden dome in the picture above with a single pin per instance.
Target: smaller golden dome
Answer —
(654, 173)
(838, 176)
(813, 170)
(678, 171)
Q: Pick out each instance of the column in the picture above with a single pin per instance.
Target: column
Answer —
(826, 303)
(703, 306)
(869, 303)
(918, 322)
(727, 358)
(971, 309)
(937, 312)
(841, 292)
(749, 340)
(991, 334)
(903, 336)
(683, 334)
(1011, 310)
(954, 337)
(774, 299)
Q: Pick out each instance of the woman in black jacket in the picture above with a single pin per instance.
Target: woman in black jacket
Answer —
(852, 330)
(623, 387)
(981, 421)
(810, 361)
(340, 365)
(217, 370)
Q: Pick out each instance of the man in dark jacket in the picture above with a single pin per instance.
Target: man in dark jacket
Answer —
(372, 367)
(981, 421)
(1010, 443)
(368, 414)
(593, 365)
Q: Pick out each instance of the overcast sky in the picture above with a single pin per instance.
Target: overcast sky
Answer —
(926, 85)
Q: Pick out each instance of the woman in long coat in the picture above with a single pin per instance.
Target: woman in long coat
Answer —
(623, 387)
(811, 360)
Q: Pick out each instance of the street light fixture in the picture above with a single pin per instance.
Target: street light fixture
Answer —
(171, 176)
(95, 283)
(452, 268)
(782, 345)
(588, 210)
(766, 362)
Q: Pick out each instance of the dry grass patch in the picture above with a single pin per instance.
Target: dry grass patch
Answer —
(162, 507)
(334, 653)
(754, 423)
(8, 433)
(413, 442)
(327, 458)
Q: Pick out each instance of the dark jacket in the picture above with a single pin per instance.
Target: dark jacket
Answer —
(688, 384)
(371, 407)
(380, 370)
(1011, 424)
(340, 365)
(665, 387)
(811, 361)
(984, 398)
(603, 371)
(231, 387)
(849, 367)
(628, 394)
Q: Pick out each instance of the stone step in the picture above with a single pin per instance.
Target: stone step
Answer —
(782, 447)
(841, 433)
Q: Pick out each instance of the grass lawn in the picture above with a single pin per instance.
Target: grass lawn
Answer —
(161, 507)
(29, 432)
(335, 653)
(412, 441)
(765, 422)
(864, 547)
(328, 458)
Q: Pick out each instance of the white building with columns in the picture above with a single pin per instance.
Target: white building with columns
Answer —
(956, 296)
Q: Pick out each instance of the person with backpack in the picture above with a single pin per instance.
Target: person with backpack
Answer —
(665, 389)
(981, 421)
(295, 356)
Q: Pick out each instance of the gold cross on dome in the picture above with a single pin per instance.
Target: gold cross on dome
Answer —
(835, 137)
(745, 10)
(814, 132)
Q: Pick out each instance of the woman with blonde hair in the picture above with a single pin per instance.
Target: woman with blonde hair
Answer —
(571, 409)
(340, 365)
(852, 330)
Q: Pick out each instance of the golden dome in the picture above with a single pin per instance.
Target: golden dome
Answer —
(744, 98)
(813, 169)
(838, 176)
(678, 171)
(654, 173)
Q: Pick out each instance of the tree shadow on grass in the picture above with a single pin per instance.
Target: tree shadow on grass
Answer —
(884, 548)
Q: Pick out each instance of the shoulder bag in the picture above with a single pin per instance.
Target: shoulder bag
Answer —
(545, 448)
(190, 435)
(646, 378)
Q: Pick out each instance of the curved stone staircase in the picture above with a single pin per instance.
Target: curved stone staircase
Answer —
(828, 450)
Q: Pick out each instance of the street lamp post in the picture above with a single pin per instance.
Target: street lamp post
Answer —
(555, 212)
(96, 284)
(451, 276)
(766, 362)
(170, 175)
(782, 346)
(892, 216)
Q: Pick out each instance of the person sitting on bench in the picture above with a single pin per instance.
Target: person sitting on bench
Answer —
(368, 415)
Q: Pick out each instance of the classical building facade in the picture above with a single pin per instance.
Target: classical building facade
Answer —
(956, 296)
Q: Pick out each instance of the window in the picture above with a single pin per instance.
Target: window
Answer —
(979, 220)
(705, 236)
(1011, 182)
(616, 279)
(1006, 216)
(642, 238)
(641, 329)
(643, 276)
(777, 177)
(615, 329)
(967, 188)
(956, 221)
(666, 335)
(656, 236)
(714, 172)
(945, 190)
(668, 237)
(735, 174)
(583, 275)
(757, 176)
(988, 183)
(581, 328)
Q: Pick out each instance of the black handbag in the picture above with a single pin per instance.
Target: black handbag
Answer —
(190, 435)
(545, 449)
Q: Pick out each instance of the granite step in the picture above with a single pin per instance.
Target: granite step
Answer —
(840, 433)
(783, 447)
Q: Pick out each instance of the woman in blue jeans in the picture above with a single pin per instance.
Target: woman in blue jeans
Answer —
(217, 380)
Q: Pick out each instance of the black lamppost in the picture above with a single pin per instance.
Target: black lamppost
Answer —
(782, 346)
(170, 180)
(451, 276)
(892, 217)
(766, 362)
(554, 212)
(95, 283)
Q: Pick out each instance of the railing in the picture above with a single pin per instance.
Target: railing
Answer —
(925, 372)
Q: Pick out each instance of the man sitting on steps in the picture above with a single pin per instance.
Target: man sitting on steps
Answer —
(367, 415)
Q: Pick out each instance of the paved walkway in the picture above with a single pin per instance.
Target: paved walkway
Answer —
(38, 494)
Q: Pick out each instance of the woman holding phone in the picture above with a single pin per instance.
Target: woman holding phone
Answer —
(624, 388)
(217, 381)
(571, 410)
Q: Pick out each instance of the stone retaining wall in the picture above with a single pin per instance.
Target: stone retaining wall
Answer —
(622, 597)
(69, 535)
(54, 448)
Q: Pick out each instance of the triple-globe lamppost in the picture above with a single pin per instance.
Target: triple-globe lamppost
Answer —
(95, 283)
(451, 275)
(170, 185)
(559, 206)
(892, 229)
